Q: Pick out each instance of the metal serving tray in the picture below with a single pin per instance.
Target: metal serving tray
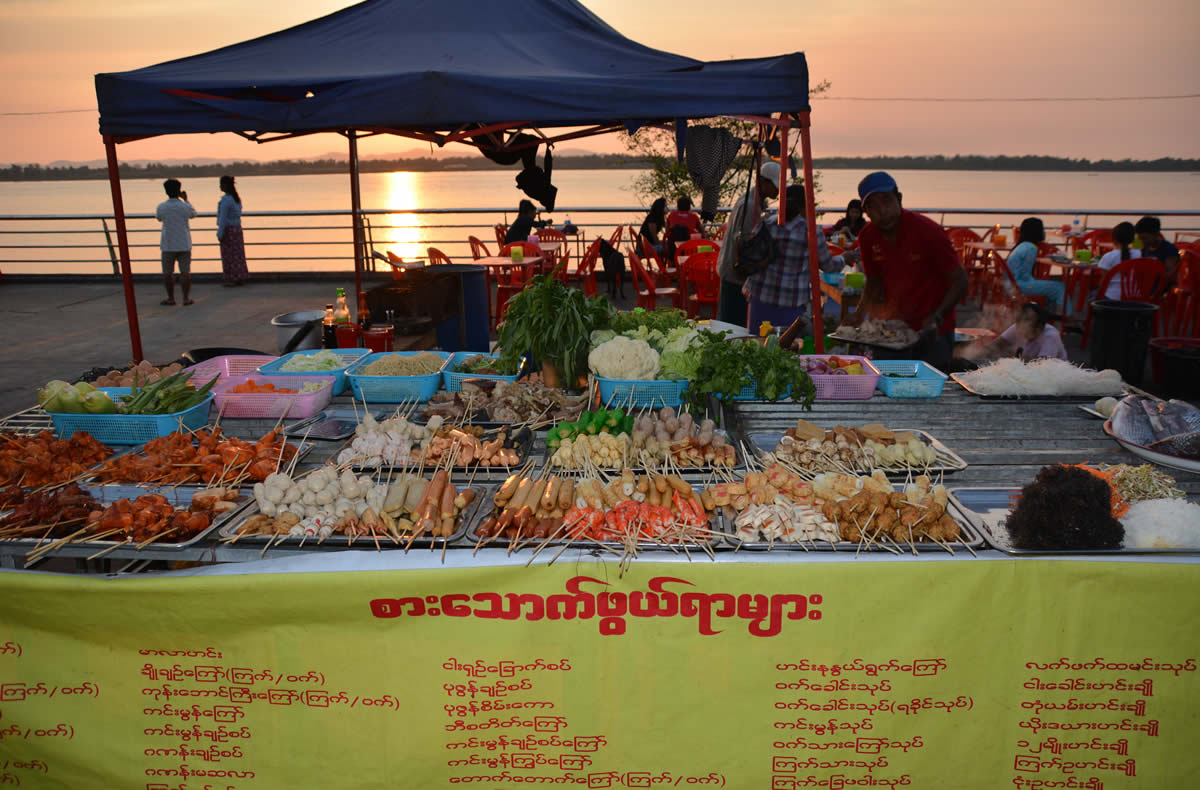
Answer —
(332, 424)
(179, 497)
(488, 509)
(870, 344)
(973, 538)
(684, 472)
(1032, 398)
(339, 541)
(480, 473)
(987, 508)
(949, 461)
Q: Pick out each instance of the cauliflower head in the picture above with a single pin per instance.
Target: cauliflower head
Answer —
(624, 358)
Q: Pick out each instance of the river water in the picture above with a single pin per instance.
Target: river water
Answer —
(277, 243)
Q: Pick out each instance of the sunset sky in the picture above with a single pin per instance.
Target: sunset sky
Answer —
(50, 50)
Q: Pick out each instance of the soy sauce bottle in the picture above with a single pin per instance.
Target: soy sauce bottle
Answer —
(364, 313)
(328, 334)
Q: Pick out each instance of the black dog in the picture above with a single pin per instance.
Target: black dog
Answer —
(614, 269)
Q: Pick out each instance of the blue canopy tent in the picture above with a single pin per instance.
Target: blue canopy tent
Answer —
(442, 71)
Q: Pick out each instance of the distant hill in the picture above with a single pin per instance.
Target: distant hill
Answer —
(568, 159)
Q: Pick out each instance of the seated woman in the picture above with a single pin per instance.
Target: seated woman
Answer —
(654, 224)
(1030, 338)
(852, 224)
(1123, 235)
(1022, 260)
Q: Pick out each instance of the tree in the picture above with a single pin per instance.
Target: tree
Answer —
(669, 177)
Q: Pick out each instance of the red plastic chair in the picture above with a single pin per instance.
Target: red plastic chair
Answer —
(700, 270)
(720, 234)
(614, 239)
(478, 248)
(663, 275)
(587, 269)
(1001, 288)
(974, 262)
(1141, 281)
(436, 256)
(512, 279)
(396, 262)
(1181, 304)
(531, 250)
(1093, 240)
(691, 247)
(501, 231)
(647, 294)
(562, 256)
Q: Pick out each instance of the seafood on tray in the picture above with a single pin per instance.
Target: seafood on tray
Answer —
(44, 459)
(322, 503)
(397, 442)
(1172, 427)
(626, 508)
(850, 449)
(775, 505)
(201, 456)
(488, 400)
(875, 332)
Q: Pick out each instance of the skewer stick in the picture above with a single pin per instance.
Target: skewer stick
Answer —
(154, 537)
(111, 548)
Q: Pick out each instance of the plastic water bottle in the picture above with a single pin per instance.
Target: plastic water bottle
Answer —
(1075, 227)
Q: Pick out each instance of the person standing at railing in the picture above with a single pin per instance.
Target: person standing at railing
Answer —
(913, 273)
(229, 233)
(176, 243)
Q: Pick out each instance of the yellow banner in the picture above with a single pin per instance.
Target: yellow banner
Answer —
(1030, 674)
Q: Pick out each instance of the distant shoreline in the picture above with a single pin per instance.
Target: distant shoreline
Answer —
(287, 167)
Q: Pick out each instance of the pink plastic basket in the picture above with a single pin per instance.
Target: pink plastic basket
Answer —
(299, 405)
(846, 387)
(226, 366)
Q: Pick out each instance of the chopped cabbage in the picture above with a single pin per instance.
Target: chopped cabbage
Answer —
(624, 358)
(308, 363)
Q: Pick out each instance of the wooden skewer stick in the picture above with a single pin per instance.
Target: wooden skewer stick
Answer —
(111, 548)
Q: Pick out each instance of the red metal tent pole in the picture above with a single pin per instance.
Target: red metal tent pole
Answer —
(114, 182)
(356, 217)
(810, 215)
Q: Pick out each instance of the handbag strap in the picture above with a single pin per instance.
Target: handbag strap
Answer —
(754, 160)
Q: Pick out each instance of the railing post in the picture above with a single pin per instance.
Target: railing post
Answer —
(112, 253)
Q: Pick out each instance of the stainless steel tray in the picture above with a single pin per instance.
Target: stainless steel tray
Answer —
(459, 471)
(302, 449)
(974, 539)
(949, 461)
(308, 427)
(987, 508)
(684, 472)
(338, 542)
(869, 344)
(180, 497)
(488, 509)
(1030, 398)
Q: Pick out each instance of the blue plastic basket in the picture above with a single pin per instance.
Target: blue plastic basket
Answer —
(348, 356)
(626, 393)
(131, 428)
(394, 389)
(453, 381)
(928, 381)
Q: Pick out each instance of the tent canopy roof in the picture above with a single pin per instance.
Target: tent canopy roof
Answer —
(440, 65)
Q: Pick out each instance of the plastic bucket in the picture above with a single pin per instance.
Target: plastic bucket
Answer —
(288, 324)
(1121, 336)
(1175, 365)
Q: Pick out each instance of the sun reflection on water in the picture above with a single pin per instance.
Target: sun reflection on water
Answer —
(404, 235)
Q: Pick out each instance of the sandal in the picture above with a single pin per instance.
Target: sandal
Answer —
(168, 302)
(187, 302)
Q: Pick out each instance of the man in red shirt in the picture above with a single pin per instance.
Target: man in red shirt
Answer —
(913, 273)
(685, 218)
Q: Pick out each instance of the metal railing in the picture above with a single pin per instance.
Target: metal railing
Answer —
(323, 240)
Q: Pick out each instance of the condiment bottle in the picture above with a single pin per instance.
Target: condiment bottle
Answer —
(328, 335)
(364, 313)
(341, 311)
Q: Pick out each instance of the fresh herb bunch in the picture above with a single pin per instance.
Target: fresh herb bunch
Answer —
(664, 319)
(165, 396)
(552, 322)
(728, 366)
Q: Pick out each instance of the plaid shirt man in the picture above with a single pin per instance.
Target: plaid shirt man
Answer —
(786, 282)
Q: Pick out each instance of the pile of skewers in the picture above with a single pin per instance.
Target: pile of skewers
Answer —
(853, 450)
(43, 459)
(627, 511)
(69, 514)
(199, 456)
(398, 441)
(783, 504)
(334, 501)
(652, 439)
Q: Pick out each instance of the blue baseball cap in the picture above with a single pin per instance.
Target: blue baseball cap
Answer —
(878, 181)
